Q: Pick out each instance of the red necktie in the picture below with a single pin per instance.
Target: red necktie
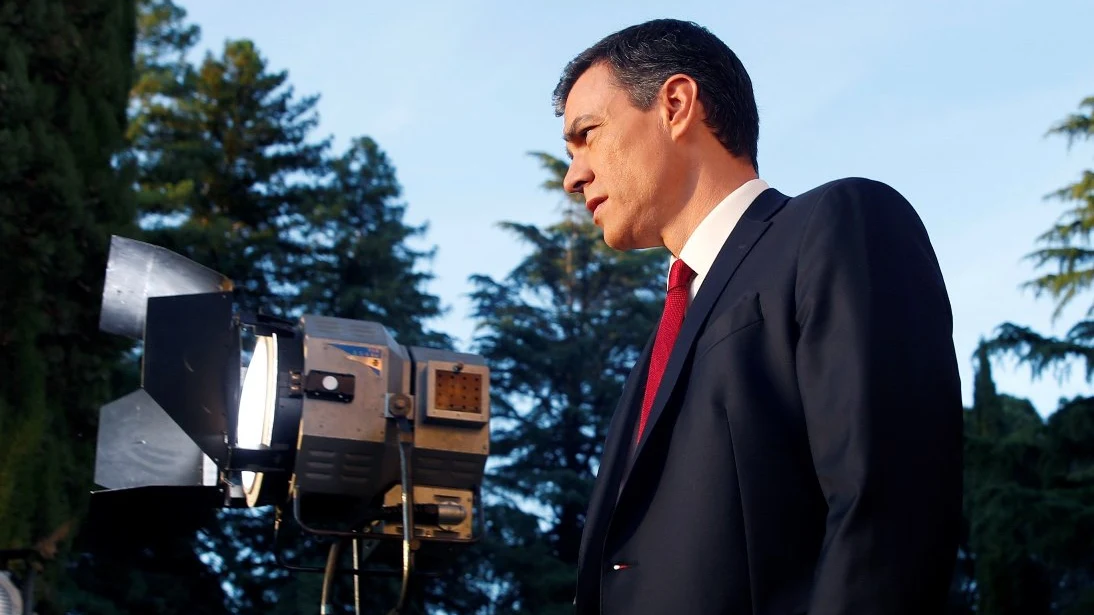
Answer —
(676, 301)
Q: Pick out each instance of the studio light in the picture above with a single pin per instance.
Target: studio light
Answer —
(350, 435)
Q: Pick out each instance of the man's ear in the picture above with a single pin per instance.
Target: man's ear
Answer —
(679, 104)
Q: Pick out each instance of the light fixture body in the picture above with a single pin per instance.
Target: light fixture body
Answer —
(325, 404)
(355, 378)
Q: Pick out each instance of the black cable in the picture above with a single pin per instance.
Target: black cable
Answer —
(406, 444)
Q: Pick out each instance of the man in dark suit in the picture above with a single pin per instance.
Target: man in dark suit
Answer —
(790, 441)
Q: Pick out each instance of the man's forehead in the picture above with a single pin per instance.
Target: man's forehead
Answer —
(591, 93)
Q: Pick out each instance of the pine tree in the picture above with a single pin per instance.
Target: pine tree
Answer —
(65, 187)
(231, 175)
(1066, 250)
(1066, 244)
(359, 264)
(1027, 504)
(561, 333)
(1030, 482)
(1003, 483)
(228, 168)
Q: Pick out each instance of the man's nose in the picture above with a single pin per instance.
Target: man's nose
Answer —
(577, 176)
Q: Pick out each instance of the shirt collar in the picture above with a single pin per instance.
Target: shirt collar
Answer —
(705, 242)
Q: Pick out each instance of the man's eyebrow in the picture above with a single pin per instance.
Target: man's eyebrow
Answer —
(570, 135)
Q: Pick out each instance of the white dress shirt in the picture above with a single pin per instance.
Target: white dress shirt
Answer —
(704, 243)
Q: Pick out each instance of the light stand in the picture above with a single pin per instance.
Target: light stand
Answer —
(406, 447)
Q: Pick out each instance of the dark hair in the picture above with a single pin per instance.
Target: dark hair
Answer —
(644, 56)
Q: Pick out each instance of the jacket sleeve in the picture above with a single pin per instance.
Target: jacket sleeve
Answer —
(882, 400)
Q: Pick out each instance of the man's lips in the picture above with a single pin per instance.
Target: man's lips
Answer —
(593, 203)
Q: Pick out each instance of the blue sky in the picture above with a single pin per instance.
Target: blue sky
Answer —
(948, 102)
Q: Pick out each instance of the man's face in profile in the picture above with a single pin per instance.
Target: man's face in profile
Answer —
(620, 160)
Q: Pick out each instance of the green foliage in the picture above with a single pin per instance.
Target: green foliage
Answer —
(1029, 502)
(358, 264)
(227, 169)
(561, 333)
(230, 174)
(65, 70)
(1030, 482)
(1067, 242)
(1042, 353)
(97, 98)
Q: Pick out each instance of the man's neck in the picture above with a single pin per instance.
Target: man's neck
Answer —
(712, 184)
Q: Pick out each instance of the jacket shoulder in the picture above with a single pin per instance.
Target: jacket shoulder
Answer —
(850, 194)
(848, 186)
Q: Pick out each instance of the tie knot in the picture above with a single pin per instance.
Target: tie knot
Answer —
(680, 274)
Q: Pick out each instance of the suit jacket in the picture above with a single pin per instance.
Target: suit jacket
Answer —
(803, 453)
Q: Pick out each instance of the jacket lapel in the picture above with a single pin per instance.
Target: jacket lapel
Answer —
(616, 446)
(745, 234)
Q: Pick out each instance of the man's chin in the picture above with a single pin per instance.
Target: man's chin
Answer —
(614, 241)
(620, 241)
